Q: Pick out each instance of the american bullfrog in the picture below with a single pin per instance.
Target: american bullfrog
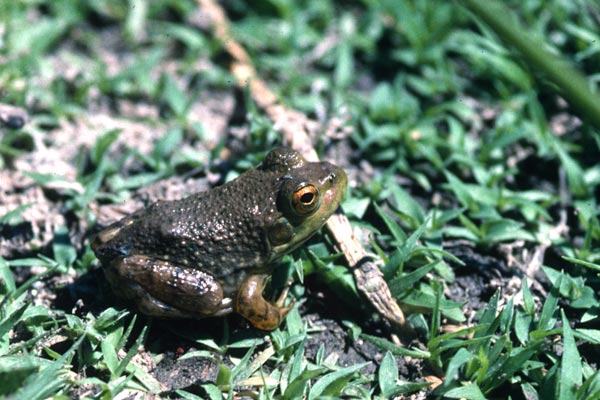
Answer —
(211, 253)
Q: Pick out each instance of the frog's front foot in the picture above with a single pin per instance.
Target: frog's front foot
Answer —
(251, 304)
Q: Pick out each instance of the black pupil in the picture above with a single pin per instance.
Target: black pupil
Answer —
(306, 198)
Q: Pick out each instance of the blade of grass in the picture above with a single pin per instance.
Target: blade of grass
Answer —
(573, 85)
(48, 381)
(332, 383)
(132, 351)
(571, 375)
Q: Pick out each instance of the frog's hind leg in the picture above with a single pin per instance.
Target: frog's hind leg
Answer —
(162, 289)
(250, 303)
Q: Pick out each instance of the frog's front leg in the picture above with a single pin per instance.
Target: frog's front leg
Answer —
(250, 303)
(162, 289)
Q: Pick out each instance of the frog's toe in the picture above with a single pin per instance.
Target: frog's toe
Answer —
(280, 302)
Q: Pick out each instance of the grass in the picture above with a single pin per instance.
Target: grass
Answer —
(472, 170)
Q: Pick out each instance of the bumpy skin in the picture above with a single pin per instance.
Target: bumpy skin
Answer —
(211, 253)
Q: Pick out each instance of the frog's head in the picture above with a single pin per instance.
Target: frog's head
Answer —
(308, 193)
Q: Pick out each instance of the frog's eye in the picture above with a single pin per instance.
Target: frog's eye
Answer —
(305, 199)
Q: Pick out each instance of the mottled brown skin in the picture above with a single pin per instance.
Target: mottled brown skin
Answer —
(211, 253)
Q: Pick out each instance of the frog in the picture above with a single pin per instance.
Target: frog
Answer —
(212, 253)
